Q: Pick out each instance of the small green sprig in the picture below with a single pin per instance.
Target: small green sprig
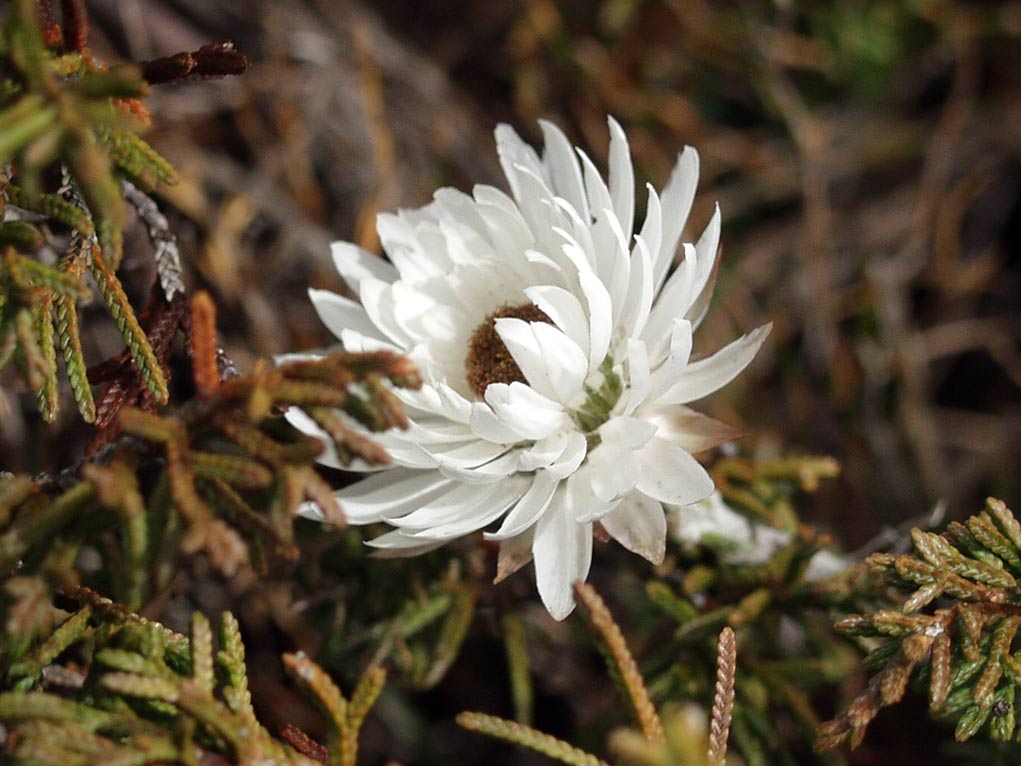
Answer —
(153, 696)
(955, 629)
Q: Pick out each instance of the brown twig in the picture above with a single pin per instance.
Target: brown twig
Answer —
(723, 697)
(623, 662)
(202, 344)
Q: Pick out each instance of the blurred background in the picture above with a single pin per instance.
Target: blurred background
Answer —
(866, 155)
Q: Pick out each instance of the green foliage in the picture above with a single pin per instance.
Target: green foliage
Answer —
(64, 113)
(688, 738)
(954, 625)
(781, 617)
(218, 480)
(414, 614)
(145, 694)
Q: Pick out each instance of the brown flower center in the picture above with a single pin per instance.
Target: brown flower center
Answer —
(488, 359)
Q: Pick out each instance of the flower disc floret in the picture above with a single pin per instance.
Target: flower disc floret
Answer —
(488, 360)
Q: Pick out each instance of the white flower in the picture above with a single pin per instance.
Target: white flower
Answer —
(713, 524)
(556, 353)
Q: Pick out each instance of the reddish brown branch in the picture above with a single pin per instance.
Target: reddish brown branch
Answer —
(202, 345)
(76, 24)
(52, 35)
(208, 62)
(303, 743)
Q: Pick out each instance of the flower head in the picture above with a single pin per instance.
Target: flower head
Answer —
(555, 346)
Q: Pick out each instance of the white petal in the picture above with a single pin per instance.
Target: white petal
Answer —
(515, 154)
(627, 433)
(543, 452)
(339, 313)
(564, 309)
(408, 455)
(622, 178)
(378, 300)
(667, 374)
(464, 501)
(396, 544)
(595, 188)
(503, 496)
(480, 287)
(671, 475)
(572, 456)
(310, 510)
(637, 375)
(454, 206)
(420, 317)
(538, 206)
(563, 553)
(639, 292)
(581, 230)
(619, 279)
(639, 524)
(691, 431)
(468, 455)
(467, 241)
(585, 505)
(713, 524)
(652, 227)
(499, 469)
(676, 201)
(486, 425)
(522, 344)
(825, 564)
(712, 373)
(689, 289)
(514, 554)
(354, 264)
(416, 249)
(563, 168)
(352, 340)
(576, 255)
(297, 356)
(708, 251)
(529, 508)
(508, 231)
(451, 404)
(484, 194)
(673, 300)
(566, 364)
(393, 493)
(600, 317)
(429, 431)
(612, 474)
(537, 259)
(535, 415)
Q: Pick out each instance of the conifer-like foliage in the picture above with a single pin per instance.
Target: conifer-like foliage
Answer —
(150, 695)
(218, 475)
(780, 614)
(73, 160)
(953, 624)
